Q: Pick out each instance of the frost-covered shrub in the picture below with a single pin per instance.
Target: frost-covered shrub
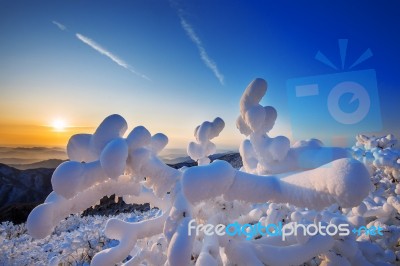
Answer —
(304, 183)
(378, 153)
(74, 241)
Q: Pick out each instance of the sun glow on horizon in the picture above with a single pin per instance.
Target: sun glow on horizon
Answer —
(58, 125)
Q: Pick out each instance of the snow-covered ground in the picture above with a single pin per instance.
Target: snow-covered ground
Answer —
(74, 241)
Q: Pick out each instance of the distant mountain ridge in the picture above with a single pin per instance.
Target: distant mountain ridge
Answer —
(177, 160)
(50, 164)
(233, 158)
(24, 164)
(12, 160)
(28, 155)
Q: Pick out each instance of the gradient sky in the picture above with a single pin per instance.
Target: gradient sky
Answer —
(171, 65)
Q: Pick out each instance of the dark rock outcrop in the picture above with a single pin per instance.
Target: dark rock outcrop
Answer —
(109, 206)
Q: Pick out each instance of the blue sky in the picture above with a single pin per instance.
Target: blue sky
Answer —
(197, 58)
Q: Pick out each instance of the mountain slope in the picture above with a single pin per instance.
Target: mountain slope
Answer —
(51, 164)
(22, 189)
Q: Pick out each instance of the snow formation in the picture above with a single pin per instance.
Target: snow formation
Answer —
(304, 183)
(203, 147)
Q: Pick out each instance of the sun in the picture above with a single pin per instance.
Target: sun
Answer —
(58, 125)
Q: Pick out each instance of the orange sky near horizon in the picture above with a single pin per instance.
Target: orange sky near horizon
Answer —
(33, 135)
(29, 135)
(47, 136)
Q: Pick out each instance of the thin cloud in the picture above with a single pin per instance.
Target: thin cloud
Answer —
(203, 54)
(113, 57)
(59, 25)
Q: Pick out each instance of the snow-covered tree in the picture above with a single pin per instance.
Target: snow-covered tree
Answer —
(304, 183)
